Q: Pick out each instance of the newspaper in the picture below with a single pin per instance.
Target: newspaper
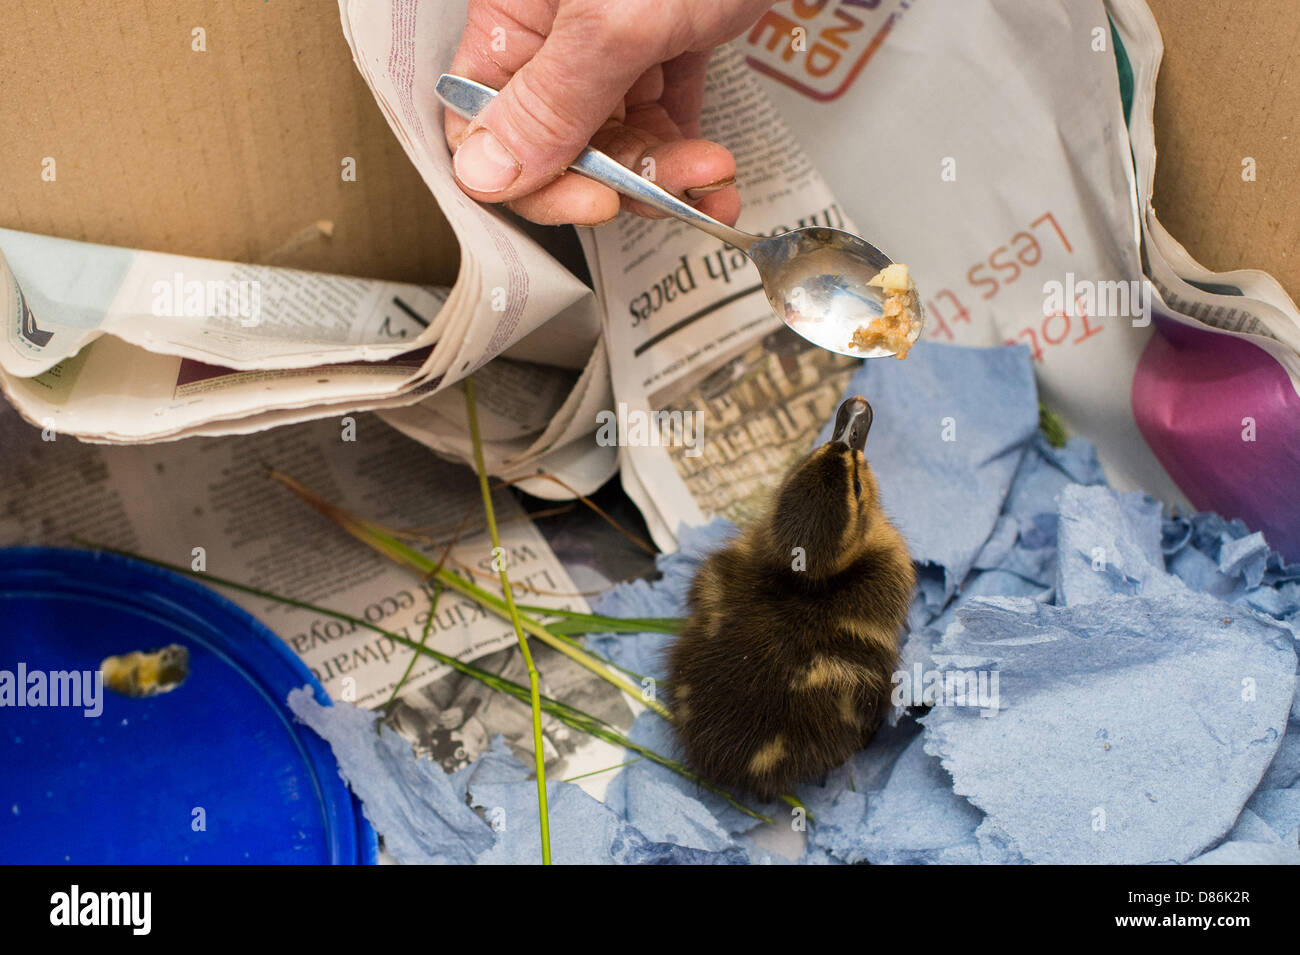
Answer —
(211, 506)
(119, 346)
(125, 346)
(109, 344)
(692, 340)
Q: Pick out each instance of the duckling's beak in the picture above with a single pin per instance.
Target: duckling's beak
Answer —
(852, 422)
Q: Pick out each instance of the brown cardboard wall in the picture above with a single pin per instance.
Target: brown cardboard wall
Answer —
(236, 152)
(1229, 88)
(232, 153)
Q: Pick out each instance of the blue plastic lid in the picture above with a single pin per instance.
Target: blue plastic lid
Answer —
(133, 783)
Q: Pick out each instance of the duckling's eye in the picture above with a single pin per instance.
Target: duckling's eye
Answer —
(857, 487)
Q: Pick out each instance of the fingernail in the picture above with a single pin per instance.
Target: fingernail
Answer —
(482, 164)
(699, 192)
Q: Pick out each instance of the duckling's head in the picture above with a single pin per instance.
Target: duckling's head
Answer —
(823, 512)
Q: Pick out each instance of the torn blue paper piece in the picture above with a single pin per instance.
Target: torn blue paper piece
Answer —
(1284, 771)
(411, 802)
(949, 428)
(583, 830)
(1128, 730)
(632, 848)
(425, 815)
(667, 807)
(1244, 557)
(1251, 827)
(1109, 544)
(866, 771)
(841, 815)
(1253, 841)
(1279, 809)
(498, 764)
(914, 817)
(1272, 816)
(1249, 853)
(1044, 475)
(1223, 558)
(759, 855)
(1019, 558)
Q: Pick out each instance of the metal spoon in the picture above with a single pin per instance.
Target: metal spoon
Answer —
(815, 278)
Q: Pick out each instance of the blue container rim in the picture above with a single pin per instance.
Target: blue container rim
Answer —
(95, 570)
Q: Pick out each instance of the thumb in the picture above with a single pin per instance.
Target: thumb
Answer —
(549, 110)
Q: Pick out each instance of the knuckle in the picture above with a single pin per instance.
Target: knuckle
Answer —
(626, 30)
(620, 35)
(623, 144)
(552, 122)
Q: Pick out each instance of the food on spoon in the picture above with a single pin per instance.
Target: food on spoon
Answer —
(900, 322)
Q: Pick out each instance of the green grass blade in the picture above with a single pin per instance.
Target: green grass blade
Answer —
(572, 621)
(424, 638)
(384, 542)
(534, 693)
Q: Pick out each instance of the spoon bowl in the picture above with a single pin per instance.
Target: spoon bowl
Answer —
(816, 279)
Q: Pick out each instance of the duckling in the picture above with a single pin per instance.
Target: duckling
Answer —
(785, 666)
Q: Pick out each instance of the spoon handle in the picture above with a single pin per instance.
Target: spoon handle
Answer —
(467, 98)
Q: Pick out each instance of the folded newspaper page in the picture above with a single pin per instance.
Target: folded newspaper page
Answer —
(115, 345)
(401, 47)
(118, 346)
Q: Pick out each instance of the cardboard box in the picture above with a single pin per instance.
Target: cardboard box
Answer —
(1229, 88)
(236, 151)
(233, 151)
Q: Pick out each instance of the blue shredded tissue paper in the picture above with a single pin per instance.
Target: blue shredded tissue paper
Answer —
(1127, 730)
(410, 801)
(1085, 677)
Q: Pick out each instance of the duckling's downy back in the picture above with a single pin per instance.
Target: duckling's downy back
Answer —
(785, 666)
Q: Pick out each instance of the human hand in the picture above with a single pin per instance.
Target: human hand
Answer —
(625, 76)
